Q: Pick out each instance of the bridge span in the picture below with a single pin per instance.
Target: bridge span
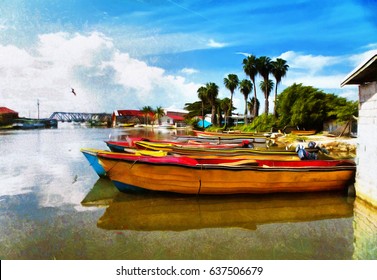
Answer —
(80, 117)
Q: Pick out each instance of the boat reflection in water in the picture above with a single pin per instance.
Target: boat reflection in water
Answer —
(101, 194)
(151, 211)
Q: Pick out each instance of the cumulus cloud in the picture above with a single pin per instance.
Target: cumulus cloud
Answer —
(313, 70)
(310, 63)
(104, 77)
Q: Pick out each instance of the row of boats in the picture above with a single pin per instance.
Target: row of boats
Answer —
(218, 163)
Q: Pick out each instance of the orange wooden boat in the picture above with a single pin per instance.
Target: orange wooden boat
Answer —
(225, 176)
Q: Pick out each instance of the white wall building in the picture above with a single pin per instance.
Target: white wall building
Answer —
(366, 77)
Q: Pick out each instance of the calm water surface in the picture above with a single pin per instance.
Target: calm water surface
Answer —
(54, 206)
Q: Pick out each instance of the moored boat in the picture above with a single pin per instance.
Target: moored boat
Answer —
(92, 156)
(226, 176)
(303, 132)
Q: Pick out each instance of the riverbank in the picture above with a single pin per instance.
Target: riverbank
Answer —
(338, 147)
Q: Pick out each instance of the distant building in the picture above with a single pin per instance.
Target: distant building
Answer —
(171, 117)
(7, 116)
(174, 117)
(366, 77)
(130, 117)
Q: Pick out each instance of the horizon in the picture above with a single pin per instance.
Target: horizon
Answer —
(129, 54)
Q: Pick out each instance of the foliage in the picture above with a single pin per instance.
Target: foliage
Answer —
(195, 109)
(264, 122)
(308, 107)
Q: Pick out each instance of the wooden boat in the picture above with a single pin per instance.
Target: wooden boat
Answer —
(253, 137)
(126, 125)
(99, 168)
(168, 146)
(152, 212)
(303, 132)
(130, 142)
(241, 150)
(225, 176)
(214, 133)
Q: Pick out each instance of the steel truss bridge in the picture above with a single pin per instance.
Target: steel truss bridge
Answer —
(80, 117)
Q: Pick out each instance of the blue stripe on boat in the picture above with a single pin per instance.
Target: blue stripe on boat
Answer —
(93, 160)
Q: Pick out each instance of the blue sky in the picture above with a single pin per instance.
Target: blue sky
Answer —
(126, 54)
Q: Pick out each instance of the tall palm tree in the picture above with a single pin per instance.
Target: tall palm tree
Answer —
(212, 93)
(231, 82)
(250, 69)
(224, 106)
(246, 87)
(251, 104)
(264, 69)
(202, 95)
(147, 111)
(266, 88)
(279, 70)
(159, 113)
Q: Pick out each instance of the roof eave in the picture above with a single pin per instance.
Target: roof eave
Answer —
(354, 77)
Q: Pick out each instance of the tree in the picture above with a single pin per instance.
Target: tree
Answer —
(147, 111)
(212, 93)
(264, 69)
(224, 106)
(308, 107)
(250, 69)
(252, 104)
(202, 95)
(279, 70)
(159, 113)
(231, 82)
(245, 88)
(266, 88)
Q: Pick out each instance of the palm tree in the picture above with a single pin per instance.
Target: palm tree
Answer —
(147, 111)
(250, 69)
(251, 104)
(159, 113)
(264, 69)
(224, 106)
(212, 93)
(279, 70)
(266, 88)
(231, 82)
(246, 87)
(202, 95)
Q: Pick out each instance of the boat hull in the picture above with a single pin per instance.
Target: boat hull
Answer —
(226, 178)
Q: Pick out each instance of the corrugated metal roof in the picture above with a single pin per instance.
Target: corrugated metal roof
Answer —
(5, 110)
(365, 73)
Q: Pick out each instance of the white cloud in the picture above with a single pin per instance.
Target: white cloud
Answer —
(244, 54)
(361, 58)
(189, 71)
(323, 72)
(104, 78)
(309, 62)
(213, 44)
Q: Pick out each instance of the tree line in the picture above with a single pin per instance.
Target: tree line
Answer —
(298, 105)
(252, 66)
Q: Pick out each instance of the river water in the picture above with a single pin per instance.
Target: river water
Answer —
(54, 206)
